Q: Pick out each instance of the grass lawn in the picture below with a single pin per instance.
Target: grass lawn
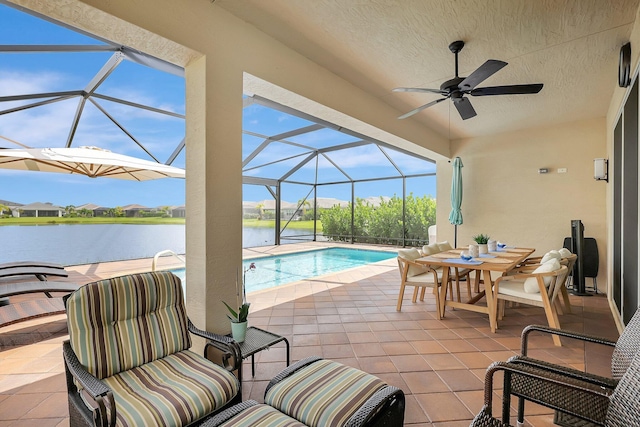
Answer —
(97, 220)
(249, 223)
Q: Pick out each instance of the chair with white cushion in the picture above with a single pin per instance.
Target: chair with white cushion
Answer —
(417, 275)
(565, 257)
(539, 288)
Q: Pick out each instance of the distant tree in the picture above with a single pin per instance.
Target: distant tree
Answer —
(5, 210)
(382, 224)
(165, 210)
(111, 212)
(304, 204)
(85, 213)
(70, 211)
(260, 207)
(118, 211)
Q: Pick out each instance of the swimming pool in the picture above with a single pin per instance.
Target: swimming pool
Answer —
(282, 269)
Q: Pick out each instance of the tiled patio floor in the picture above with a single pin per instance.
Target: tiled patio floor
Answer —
(348, 317)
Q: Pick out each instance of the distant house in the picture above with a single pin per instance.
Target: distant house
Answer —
(132, 211)
(268, 207)
(178, 211)
(39, 210)
(97, 210)
(328, 203)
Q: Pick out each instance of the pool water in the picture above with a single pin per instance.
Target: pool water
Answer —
(282, 269)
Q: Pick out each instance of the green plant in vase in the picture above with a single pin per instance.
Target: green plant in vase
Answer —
(482, 240)
(240, 316)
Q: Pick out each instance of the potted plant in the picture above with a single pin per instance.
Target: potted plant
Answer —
(482, 240)
(238, 320)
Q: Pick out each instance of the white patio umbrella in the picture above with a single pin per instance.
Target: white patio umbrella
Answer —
(93, 162)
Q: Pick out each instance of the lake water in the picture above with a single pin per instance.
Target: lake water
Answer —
(73, 244)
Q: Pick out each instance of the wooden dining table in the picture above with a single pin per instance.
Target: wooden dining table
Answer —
(501, 261)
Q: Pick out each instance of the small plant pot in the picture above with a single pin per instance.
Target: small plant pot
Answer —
(483, 249)
(238, 331)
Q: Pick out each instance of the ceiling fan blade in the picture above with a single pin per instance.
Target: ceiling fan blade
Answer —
(507, 90)
(418, 89)
(465, 108)
(483, 72)
(417, 110)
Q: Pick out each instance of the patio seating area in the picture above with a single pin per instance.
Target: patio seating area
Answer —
(348, 317)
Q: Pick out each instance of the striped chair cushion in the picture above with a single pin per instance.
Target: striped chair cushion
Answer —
(173, 391)
(120, 323)
(324, 393)
(261, 416)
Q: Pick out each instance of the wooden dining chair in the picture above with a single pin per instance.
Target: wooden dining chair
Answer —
(539, 288)
(420, 277)
(568, 259)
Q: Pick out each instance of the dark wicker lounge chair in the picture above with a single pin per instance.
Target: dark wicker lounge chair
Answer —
(40, 272)
(622, 407)
(31, 264)
(625, 348)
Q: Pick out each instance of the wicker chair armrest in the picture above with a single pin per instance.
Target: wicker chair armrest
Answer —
(384, 400)
(227, 414)
(568, 371)
(530, 372)
(92, 385)
(290, 370)
(231, 354)
(568, 334)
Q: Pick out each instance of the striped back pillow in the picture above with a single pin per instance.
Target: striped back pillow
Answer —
(120, 323)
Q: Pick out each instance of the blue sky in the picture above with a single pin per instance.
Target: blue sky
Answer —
(48, 126)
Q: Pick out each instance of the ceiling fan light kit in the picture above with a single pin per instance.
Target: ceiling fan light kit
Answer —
(457, 87)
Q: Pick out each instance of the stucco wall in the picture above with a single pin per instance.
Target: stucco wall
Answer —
(506, 197)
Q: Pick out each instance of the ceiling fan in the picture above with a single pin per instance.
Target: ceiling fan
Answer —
(457, 87)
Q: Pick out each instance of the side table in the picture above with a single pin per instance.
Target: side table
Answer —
(255, 341)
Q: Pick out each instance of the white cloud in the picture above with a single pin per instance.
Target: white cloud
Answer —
(20, 83)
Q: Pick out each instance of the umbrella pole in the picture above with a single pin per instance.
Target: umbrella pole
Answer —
(455, 236)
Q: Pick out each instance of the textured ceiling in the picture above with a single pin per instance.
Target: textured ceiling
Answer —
(571, 46)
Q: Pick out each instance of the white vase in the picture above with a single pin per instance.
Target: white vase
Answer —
(238, 331)
(483, 249)
(493, 245)
(474, 251)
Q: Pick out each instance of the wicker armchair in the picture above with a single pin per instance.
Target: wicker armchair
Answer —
(620, 405)
(127, 361)
(625, 348)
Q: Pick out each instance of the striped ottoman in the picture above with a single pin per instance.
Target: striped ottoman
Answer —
(320, 393)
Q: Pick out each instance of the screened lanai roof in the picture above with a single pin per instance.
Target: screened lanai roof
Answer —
(308, 150)
(60, 87)
(63, 87)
